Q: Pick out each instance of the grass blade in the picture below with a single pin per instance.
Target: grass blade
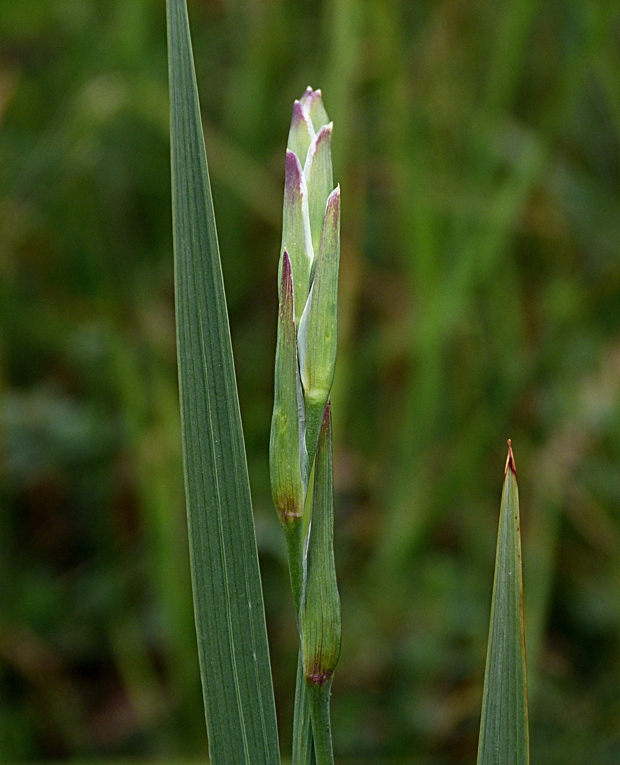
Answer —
(228, 601)
(504, 732)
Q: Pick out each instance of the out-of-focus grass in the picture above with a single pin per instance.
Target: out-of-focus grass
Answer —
(478, 145)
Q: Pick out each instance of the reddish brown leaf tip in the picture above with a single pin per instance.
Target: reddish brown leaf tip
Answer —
(510, 461)
(286, 286)
(286, 266)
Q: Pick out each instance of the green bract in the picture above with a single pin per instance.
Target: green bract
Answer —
(284, 446)
(318, 331)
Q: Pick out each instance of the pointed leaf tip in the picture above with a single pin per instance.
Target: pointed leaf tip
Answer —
(510, 462)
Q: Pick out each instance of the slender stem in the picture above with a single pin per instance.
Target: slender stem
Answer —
(318, 696)
(314, 418)
(303, 748)
(303, 742)
(320, 617)
(293, 533)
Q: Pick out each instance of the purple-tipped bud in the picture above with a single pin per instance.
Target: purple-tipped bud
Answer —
(302, 132)
(320, 180)
(294, 184)
(308, 93)
(296, 234)
(313, 105)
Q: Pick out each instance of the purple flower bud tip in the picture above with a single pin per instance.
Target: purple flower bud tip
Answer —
(333, 200)
(298, 113)
(293, 171)
(325, 133)
(308, 94)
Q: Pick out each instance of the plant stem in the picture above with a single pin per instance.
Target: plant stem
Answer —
(318, 696)
(303, 742)
(303, 749)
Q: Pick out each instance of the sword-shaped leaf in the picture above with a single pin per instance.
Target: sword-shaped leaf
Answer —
(504, 732)
(228, 600)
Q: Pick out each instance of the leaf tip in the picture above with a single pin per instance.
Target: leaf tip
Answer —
(510, 462)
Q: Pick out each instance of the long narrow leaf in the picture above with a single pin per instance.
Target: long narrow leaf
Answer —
(504, 733)
(228, 601)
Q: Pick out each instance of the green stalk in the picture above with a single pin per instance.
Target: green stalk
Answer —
(288, 488)
(319, 697)
(303, 740)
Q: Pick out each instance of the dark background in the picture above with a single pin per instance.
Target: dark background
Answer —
(477, 143)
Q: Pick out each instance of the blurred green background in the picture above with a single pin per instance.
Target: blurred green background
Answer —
(477, 143)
